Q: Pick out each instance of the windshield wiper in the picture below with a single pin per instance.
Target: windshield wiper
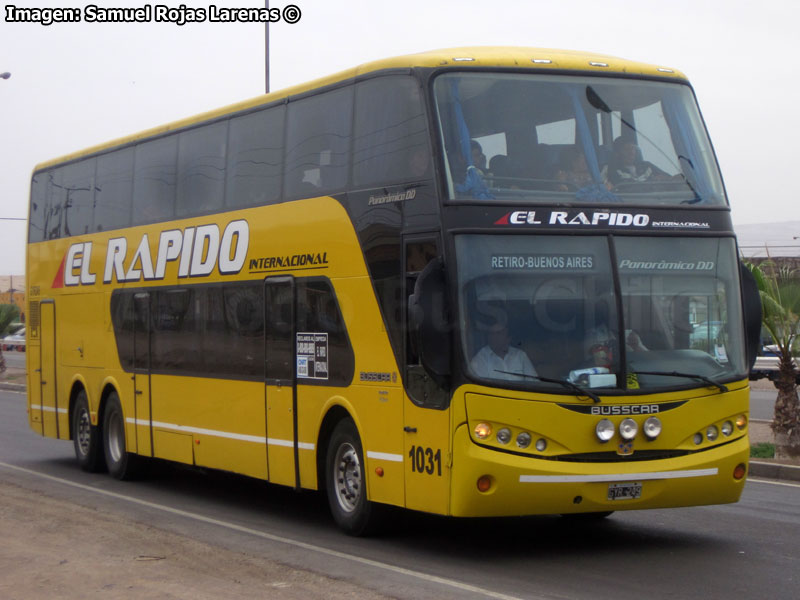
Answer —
(703, 378)
(578, 390)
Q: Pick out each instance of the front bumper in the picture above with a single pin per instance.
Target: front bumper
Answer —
(523, 485)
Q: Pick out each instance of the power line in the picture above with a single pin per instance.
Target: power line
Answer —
(13, 219)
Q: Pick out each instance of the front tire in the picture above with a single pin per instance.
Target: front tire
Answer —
(346, 484)
(121, 463)
(86, 437)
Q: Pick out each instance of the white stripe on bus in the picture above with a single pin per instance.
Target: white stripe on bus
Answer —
(62, 411)
(385, 456)
(612, 477)
(223, 434)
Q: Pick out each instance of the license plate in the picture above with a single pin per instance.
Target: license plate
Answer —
(624, 491)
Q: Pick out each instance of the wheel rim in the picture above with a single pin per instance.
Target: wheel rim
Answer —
(84, 433)
(116, 437)
(347, 475)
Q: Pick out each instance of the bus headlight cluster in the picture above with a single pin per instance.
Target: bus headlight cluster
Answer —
(483, 431)
(712, 431)
(628, 429)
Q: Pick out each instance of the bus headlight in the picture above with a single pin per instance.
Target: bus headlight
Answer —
(604, 430)
(504, 435)
(483, 431)
(712, 433)
(652, 428)
(628, 429)
(523, 440)
(727, 428)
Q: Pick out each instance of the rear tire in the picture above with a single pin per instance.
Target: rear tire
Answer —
(121, 463)
(86, 437)
(346, 484)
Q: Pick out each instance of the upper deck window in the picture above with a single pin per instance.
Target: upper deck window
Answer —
(551, 139)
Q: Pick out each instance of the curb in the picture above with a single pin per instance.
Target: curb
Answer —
(13, 387)
(769, 470)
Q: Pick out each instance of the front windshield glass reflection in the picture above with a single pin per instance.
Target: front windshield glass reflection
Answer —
(547, 307)
(546, 138)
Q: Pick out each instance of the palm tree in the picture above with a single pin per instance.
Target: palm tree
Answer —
(780, 299)
(8, 314)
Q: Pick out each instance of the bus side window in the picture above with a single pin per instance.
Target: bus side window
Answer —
(154, 180)
(114, 189)
(78, 196)
(201, 169)
(255, 158)
(39, 208)
(391, 134)
(318, 143)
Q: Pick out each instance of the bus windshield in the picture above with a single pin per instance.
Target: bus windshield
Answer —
(600, 311)
(552, 139)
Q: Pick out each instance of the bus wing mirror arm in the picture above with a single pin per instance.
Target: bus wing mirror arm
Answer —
(429, 322)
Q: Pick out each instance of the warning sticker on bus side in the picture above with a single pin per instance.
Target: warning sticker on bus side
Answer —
(312, 355)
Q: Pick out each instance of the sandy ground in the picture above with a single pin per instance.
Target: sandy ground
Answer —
(55, 549)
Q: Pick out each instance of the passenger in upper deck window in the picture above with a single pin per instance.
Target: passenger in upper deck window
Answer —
(627, 165)
(573, 170)
(478, 157)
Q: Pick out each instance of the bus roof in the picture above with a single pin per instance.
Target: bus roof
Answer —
(542, 59)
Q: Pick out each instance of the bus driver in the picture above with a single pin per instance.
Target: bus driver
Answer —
(498, 359)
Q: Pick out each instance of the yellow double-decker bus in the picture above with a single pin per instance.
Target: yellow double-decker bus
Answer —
(470, 282)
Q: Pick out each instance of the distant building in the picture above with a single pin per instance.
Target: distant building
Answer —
(778, 242)
(12, 291)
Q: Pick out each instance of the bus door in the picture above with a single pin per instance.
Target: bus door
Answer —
(48, 389)
(426, 414)
(142, 399)
(280, 380)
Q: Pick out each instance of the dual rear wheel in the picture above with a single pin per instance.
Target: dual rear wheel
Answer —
(104, 447)
(99, 448)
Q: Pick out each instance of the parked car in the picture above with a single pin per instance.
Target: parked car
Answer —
(15, 341)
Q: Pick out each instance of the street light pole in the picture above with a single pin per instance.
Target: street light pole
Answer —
(266, 47)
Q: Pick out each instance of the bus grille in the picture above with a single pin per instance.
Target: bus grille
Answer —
(612, 457)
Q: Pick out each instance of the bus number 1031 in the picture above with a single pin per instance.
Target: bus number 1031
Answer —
(425, 460)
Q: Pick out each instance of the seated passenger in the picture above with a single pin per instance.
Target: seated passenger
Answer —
(628, 167)
(499, 165)
(573, 170)
(478, 157)
(497, 359)
(601, 345)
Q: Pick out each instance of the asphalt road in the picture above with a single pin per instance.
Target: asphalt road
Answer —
(746, 550)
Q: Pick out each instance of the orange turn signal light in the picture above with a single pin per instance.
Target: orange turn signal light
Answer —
(484, 483)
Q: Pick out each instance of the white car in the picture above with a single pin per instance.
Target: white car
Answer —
(15, 341)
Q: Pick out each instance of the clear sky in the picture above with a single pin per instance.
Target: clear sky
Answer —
(73, 85)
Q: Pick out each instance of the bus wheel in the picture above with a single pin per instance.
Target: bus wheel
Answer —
(86, 437)
(346, 484)
(121, 463)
